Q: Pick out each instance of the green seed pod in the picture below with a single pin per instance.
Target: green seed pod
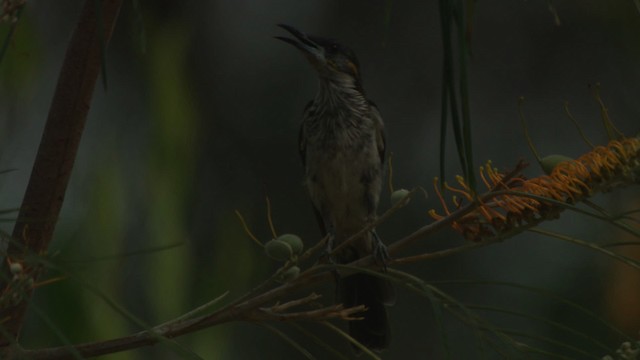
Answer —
(548, 163)
(278, 250)
(291, 274)
(294, 241)
(399, 195)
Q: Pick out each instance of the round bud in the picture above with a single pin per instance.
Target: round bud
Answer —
(294, 241)
(399, 195)
(548, 163)
(290, 274)
(15, 268)
(278, 250)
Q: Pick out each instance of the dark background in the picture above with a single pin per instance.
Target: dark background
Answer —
(200, 118)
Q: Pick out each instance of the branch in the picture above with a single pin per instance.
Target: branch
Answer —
(177, 327)
(58, 147)
(243, 308)
(250, 307)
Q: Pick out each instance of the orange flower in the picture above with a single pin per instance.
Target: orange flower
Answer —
(513, 204)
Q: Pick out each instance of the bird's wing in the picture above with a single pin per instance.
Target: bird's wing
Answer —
(302, 144)
(302, 148)
(380, 137)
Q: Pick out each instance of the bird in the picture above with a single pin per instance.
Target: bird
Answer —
(342, 146)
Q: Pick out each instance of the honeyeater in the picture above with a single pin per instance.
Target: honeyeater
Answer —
(342, 145)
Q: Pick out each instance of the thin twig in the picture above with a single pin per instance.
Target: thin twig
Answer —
(278, 308)
(577, 125)
(440, 254)
(247, 230)
(523, 122)
(269, 218)
(361, 347)
(326, 313)
(197, 310)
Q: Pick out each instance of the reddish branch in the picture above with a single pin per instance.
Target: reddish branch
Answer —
(54, 162)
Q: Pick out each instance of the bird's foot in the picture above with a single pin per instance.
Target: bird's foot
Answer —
(327, 258)
(380, 252)
(325, 255)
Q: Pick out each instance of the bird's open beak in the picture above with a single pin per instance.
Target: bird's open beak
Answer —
(304, 43)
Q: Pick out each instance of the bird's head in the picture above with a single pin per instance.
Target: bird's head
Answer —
(333, 62)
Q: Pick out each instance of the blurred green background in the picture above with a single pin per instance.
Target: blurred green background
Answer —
(200, 118)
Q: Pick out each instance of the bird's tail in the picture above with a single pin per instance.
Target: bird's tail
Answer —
(375, 294)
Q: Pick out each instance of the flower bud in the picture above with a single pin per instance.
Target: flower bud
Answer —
(399, 195)
(291, 274)
(278, 250)
(294, 241)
